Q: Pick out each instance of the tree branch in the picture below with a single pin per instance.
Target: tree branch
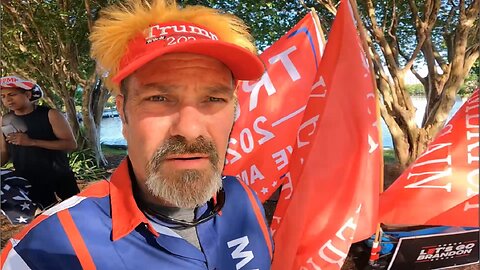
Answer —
(471, 13)
(471, 55)
(392, 29)
(451, 13)
(14, 15)
(430, 12)
(380, 37)
(43, 44)
(461, 5)
(329, 5)
(392, 32)
(418, 76)
(385, 18)
(414, 72)
(89, 15)
(415, 52)
(414, 10)
(472, 10)
(440, 61)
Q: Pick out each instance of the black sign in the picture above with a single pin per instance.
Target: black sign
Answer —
(436, 251)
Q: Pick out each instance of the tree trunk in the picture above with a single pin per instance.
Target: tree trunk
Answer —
(409, 139)
(92, 132)
(73, 121)
(100, 97)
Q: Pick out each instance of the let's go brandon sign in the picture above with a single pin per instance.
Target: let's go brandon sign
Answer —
(436, 251)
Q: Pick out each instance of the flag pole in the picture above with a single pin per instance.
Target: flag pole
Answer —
(318, 27)
(375, 252)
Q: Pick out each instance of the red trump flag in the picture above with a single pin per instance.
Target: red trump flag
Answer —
(271, 109)
(331, 193)
(441, 186)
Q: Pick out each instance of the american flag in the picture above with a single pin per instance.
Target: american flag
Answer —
(15, 203)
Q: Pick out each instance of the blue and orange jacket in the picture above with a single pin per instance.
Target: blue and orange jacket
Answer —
(102, 228)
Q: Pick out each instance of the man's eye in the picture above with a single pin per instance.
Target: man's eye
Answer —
(157, 98)
(215, 99)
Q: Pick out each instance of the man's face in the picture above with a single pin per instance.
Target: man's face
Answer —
(177, 118)
(15, 98)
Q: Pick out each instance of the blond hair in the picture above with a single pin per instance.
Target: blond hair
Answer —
(121, 23)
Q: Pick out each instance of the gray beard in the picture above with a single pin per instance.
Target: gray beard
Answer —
(185, 188)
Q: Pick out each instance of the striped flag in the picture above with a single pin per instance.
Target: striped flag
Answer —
(16, 204)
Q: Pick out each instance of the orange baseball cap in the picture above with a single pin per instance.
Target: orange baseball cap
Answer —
(186, 37)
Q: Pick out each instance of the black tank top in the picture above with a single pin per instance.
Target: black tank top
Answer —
(27, 159)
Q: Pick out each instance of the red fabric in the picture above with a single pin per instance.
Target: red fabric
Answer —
(271, 109)
(260, 219)
(441, 186)
(336, 168)
(76, 240)
(125, 213)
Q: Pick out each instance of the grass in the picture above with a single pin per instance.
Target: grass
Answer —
(7, 166)
(113, 151)
(389, 156)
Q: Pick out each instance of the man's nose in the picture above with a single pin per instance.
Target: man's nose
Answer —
(188, 122)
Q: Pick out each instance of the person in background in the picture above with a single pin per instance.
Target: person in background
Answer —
(36, 139)
(174, 72)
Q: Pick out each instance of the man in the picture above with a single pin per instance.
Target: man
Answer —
(166, 206)
(36, 139)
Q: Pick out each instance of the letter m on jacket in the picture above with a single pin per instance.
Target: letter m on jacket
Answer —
(239, 252)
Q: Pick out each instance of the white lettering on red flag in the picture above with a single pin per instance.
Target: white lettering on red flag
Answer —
(271, 109)
(336, 165)
(441, 186)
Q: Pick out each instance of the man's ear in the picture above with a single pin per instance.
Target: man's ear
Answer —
(28, 94)
(120, 102)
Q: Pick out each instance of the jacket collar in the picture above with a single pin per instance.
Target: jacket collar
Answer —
(126, 215)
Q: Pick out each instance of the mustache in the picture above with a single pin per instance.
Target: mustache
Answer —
(178, 145)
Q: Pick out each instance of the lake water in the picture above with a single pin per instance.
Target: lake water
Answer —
(111, 128)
